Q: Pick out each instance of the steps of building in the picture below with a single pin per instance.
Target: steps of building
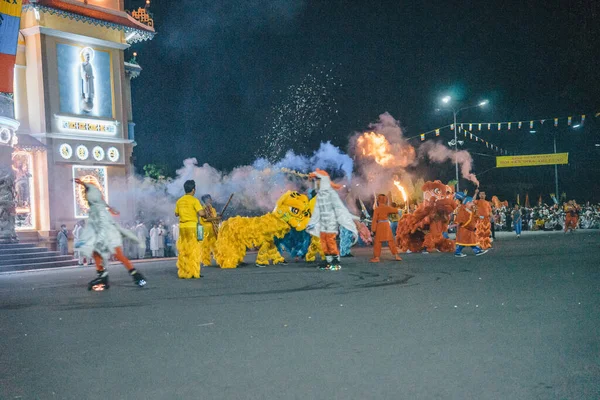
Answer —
(23, 250)
(42, 259)
(38, 265)
(20, 256)
(17, 246)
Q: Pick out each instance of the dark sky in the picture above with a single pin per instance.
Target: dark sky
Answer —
(217, 73)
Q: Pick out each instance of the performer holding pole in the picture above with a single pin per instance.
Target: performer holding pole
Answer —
(210, 222)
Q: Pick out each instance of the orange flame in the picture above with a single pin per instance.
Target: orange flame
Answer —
(376, 146)
(402, 190)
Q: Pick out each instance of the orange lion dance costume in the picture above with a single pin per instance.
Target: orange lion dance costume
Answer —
(425, 228)
(382, 229)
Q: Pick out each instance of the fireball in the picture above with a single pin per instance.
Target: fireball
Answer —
(376, 146)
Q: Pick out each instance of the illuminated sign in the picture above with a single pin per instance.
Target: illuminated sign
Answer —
(66, 151)
(84, 81)
(113, 154)
(98, 153)
(94, 175)
(88, 126)
(82, 152)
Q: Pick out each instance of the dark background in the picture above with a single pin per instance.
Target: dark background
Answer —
(215, 73)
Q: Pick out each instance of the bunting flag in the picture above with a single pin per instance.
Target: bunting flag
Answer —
(437, 132)
(527, 200)
(471, 136)
(10, 21)
(422, 137)
(461, 126)
(451, 127)
(470, 127)
(507, 125)
(518, 202)
(540, 200)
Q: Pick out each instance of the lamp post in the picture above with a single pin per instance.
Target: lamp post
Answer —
(455, 111)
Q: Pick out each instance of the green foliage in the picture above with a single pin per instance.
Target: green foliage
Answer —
(155, 171)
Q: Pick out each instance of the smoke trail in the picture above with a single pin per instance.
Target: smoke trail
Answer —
(439, 153)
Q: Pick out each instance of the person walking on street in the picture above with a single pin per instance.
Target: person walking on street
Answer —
(517, 220)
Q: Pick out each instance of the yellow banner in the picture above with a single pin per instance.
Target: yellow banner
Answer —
(532, 160)
(10, 7)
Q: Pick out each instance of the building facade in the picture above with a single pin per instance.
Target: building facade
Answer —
(72, 100)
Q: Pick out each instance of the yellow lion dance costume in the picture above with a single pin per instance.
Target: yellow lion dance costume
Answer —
(237, 234)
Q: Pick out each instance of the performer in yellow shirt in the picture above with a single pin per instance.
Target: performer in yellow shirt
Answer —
(188, 209)
(210, 223)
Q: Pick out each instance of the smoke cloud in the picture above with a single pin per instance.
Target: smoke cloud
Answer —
(376, 159)
(439, 153)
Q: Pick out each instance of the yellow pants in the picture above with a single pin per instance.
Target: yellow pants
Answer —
(188, 261)
(207, 247)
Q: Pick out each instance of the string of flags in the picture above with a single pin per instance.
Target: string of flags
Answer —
(467, 134)
(467, 128)
(530, 124)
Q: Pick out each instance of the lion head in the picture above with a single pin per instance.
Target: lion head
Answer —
(440, 194)
(295, 209)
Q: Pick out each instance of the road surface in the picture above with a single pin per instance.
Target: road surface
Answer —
(521, 322)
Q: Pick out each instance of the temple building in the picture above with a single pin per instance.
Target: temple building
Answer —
(72, 107)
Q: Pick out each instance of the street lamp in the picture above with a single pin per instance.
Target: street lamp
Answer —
(455, 111)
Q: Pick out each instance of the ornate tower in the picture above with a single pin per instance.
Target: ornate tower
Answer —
(73, 102)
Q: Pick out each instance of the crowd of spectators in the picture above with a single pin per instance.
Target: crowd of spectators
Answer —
(546, 217)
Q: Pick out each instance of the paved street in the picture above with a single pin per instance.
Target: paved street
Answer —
(521, 322)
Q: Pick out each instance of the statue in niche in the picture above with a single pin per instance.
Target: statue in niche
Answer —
(22, 176)
(86, 71)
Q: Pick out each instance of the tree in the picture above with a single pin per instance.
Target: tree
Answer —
(155, 171)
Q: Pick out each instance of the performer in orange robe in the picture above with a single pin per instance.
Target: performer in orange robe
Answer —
(484, 226)
(571, 216)
(466, 220)
(382, 230)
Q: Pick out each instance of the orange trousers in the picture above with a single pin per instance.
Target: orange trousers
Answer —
(571, 222)
(328, 244)
(118, 255)
(379, 244)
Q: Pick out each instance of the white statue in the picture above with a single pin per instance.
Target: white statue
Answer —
(86, 71)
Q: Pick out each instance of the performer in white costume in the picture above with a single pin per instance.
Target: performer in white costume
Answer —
(103, 237)
(329, 214)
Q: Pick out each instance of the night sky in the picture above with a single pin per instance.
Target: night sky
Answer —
(218, 76)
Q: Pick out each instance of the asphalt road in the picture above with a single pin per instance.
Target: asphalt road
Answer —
(521, 322)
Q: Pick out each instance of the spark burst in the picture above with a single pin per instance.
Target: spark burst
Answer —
(306, 109)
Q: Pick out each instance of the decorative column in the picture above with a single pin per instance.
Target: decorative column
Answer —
(8, 139)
